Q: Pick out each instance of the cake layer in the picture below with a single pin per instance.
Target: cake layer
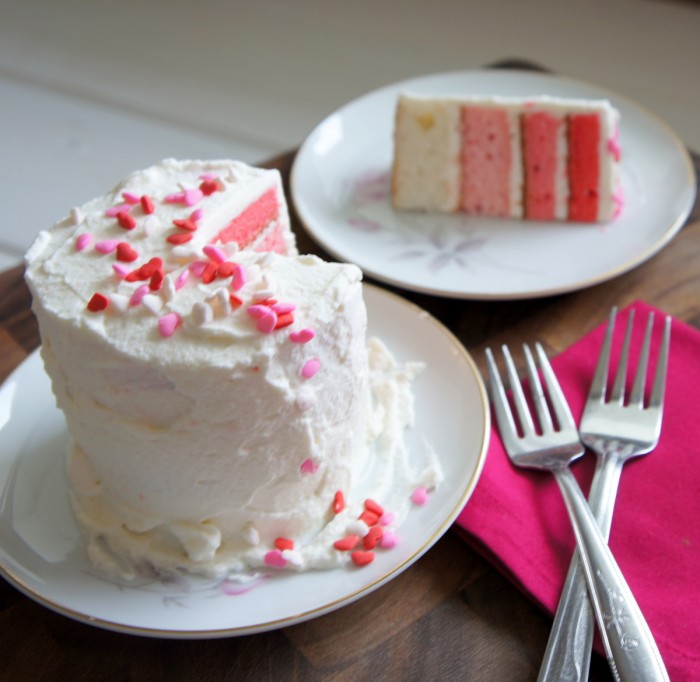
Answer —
(539, 158)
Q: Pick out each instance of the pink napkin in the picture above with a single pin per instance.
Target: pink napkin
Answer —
(518, 520)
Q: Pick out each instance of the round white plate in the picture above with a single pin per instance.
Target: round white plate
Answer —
(340, 185)
(42, 553)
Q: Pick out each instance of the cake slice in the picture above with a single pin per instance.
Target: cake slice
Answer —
(537, 158)
(224, 404)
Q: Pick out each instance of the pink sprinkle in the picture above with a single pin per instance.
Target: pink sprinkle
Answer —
(268, 322)
(302, 336)
(215, 253)
(83, 241)
(197, 267)
(309, 466)
(138, 294)
(182, 280)
(238, 280)
(389, 540)
(175, 198)
(208, 176)
(282, 308)
(106, 246)
(130, 198)
(193, 196)
(419, 496)
(386, 519)
(120, 269)
(275, 558)
(112, 211)
(168, 324)
(257, 311)
(310, 368)
(197, 214)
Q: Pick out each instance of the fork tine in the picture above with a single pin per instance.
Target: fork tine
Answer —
(526, 425)
(543, 416)
(640, 378)
(600, 377)
(617, 395)
(506, 425)
(656, 399)
(556, 395)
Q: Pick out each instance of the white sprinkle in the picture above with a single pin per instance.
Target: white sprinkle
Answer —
(357, 527)
(251, 535)
(77, 216)
(168, 289)
(119, 301)
(293, 556)
(202, 314)
(153, 303)
(305, 399)
(151, 225)
(267, 258)
(269, 282)
(231, 248)
(222, 296)
(263, 294)
(221, 300)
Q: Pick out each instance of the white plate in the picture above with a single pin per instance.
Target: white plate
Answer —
(42, 553)
(340, 186)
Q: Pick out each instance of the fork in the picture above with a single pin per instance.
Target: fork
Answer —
(616, 432)
(633, 656)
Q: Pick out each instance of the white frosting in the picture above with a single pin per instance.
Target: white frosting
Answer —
(197, 443)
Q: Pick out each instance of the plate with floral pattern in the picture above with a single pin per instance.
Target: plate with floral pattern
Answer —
(341, 182)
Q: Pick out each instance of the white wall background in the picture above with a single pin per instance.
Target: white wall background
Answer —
(91, 89)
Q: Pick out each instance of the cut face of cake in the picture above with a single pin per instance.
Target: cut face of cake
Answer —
(538, 158)
(219, 398)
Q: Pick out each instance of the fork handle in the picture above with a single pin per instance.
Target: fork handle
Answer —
(629, 645)
(568, 654)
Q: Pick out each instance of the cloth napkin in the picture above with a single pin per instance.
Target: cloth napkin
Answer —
(517, 518)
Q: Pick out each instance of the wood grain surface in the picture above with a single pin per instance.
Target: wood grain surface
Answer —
(451, 616)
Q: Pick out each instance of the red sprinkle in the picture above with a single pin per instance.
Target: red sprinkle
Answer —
(284, 543)
(226, 270)
(210, 186)
(339, 502)
(370, 518)
(179, 238)
(126, 220)
(284, 320)
(97, 303)
(156, 280)
(347, 543)
(235, 301)
(147, 204)
(126, 253)
(374, 535)
(186, 224)
(360, 558)
(152, 266)
(374, 507)
(209, 273)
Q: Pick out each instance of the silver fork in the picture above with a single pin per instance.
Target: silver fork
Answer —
(616, 431)
(634, 656)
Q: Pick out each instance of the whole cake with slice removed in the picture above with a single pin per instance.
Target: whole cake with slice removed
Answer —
(535, 158)
(223, 399)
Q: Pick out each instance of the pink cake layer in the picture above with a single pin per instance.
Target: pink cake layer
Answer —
(244, 228)
(540, 133)
(486, 167)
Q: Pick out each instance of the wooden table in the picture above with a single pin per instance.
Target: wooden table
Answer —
(450, 616)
